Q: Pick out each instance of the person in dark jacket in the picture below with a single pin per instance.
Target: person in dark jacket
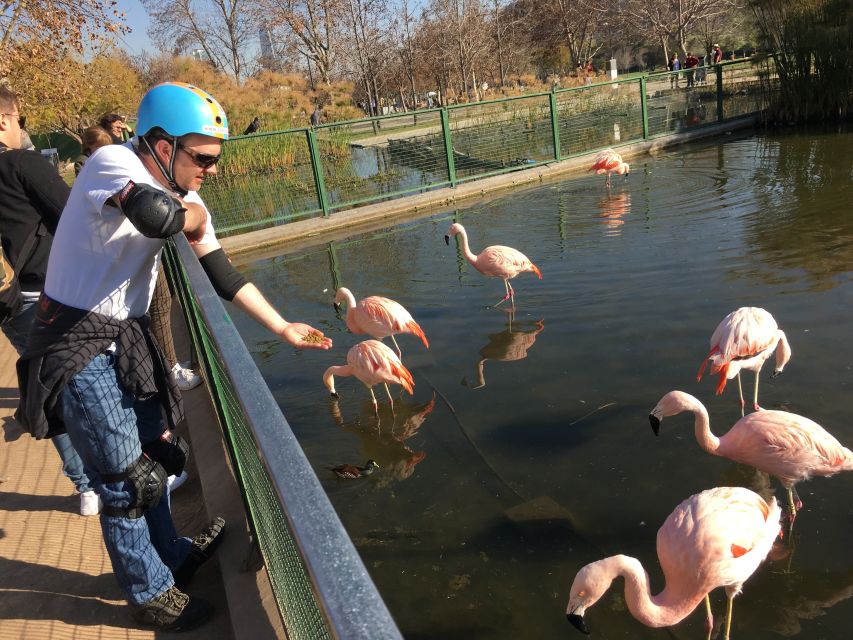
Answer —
(32, 196)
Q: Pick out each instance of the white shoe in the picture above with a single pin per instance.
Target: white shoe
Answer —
(185, 378)
(90, 503)
(176, 481)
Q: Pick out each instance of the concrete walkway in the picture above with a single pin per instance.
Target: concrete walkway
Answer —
(56, 580)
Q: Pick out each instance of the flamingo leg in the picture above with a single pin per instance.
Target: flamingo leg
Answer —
(508, 292)
(607, 180)
(400, 353)
(729, 615)
(755, 406)
(740, 393)
(375, 404)
(709, 617)
(390, 399)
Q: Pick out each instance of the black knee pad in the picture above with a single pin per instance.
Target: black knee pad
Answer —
(148, 479)
(170, 450)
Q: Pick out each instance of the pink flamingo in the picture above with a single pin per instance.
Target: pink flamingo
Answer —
(371, 362)
(378, 317)
(790, 447)
(744, 340)
(716, 538)
(608, 161)
(496, 261)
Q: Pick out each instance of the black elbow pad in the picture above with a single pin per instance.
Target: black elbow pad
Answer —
(155, 214)
(226, 280)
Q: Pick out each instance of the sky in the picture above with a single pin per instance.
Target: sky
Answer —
(137, 41)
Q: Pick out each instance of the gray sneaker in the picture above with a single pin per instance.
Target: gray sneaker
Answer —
(173, 610)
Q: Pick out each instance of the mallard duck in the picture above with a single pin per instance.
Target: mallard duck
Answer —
(351, 471)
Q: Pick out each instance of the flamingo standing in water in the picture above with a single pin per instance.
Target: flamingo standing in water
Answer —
(371, 362)
(608, 161)
(744, 340)
(378, 317)
(496, 261)
(716, 538)
(790, 447)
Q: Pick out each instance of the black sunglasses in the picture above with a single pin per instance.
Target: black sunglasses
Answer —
(22, 120)
(201, 160)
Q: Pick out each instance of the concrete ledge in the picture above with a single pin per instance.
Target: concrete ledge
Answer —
(344, 223)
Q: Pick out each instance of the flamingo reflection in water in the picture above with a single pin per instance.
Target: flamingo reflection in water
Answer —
(613, 207)
(508, 345)
(398, 459)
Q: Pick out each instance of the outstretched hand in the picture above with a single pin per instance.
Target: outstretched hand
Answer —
(303, 336)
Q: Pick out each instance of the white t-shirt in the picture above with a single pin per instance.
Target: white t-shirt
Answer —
(99, 261)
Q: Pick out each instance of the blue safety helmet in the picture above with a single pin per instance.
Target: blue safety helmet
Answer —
(179, 108)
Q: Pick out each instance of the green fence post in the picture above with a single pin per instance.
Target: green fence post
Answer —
(719, 93)
(317, 167)
(448, 147)
(644, 107)
(555, 124)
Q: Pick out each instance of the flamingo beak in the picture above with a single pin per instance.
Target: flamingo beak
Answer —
(775, 373)
(577, 622)
(335, 395)
(447, 240)
(655, 422)
(337, 306)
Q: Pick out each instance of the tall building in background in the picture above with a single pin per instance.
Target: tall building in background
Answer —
(266, 43)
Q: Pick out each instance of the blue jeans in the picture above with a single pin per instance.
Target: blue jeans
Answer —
(17, 330)
(108, 427)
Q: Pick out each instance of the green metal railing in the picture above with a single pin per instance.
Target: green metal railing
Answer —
(318, 580)
(280, 177)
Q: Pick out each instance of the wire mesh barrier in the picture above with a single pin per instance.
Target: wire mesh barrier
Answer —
(319, 582)
(263, 179)
(275, 178)
(377, 158)
(501, 135)
(599, 116)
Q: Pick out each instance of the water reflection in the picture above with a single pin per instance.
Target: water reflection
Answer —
(613, 207)
(384, 437)
(509, 344)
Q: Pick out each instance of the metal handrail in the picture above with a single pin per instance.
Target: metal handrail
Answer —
(345, 593)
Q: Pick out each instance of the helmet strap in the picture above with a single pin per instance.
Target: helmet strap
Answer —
(167, 173)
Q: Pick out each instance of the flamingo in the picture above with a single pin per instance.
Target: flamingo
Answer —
(496, 261)
(378, 317)
(790, 447)
(371, 362)
(716, 538)
(744, 340)
(608, 161)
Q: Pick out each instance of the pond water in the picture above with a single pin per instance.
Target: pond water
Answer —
(526, 451)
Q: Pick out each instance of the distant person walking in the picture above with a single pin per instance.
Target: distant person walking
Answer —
(675, 67)
(690, 64)
(717, 54)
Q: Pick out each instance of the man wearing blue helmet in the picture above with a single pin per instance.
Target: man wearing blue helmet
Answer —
(91, 365)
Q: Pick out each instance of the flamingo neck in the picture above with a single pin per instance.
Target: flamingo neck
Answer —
(466, 250)
(702, 428)
(662, 610)
(335, 370)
